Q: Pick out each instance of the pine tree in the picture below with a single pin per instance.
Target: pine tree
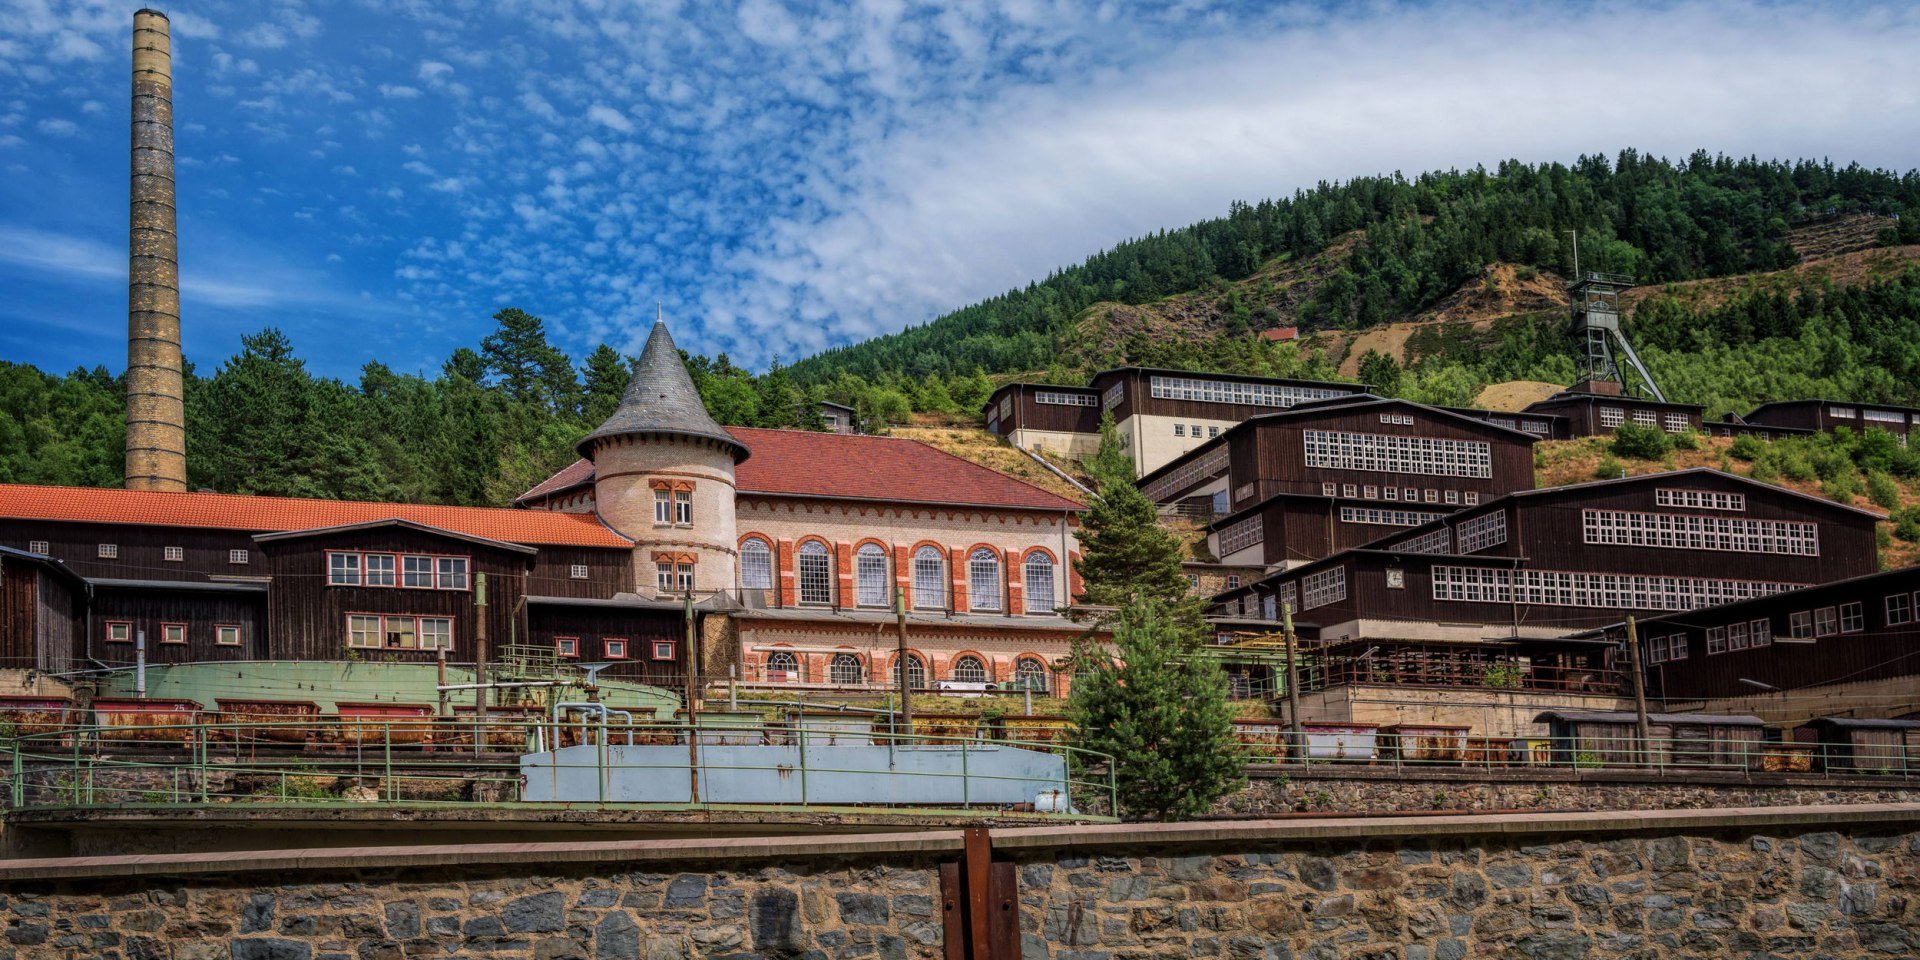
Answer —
(607, 373)
(1111, 460)
(1126, 556)
(1161, 714)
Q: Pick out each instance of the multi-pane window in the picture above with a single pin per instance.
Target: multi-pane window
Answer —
(40, 547)
(1030, 674)
(782, 666)
(1646, 418)
(1320, 589)
(1479, 533)
(578, 571)
(1674, 422)
(1242, 534)
(173, 554)
(1612, 416)
(1233, 581)
(1737, 636)
(845, 668)
(1179, 429)
(968, 669)
(453, 573)
(1432, 456)
(1760, 632)
(1679, 531)
(756, 564)
(672, 576)
(683, 507)
(1438, 540)
(236, 556)
(1220, 391)
(1700, 499)
(1114, 395)
(1844, 413)
(1401, 419)
(1826, 622)
(1853, 617)
(983, 580)
(870, 575)
(343, 569)
(108, 551)
(399, 632)
(1471, 498)
(416, 572)
(1038, 574)
(662, 505)
(816, 573)
(1066, 399)
(916, 672)
(1716, 640)
(1885, 416)
(1800, 624)
(663, 577)
(1541, 427)
(379, 570)
(929, 579)
(1561, 588)
(227, 635)
(1203, 467)
(1899, 609)
(1387, 517)
(1663, 649)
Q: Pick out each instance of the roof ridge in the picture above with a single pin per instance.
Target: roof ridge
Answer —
(172, 494)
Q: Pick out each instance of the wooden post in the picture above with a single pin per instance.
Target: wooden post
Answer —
(900, 660)
(693, 689)
(1639, 694)
(480, 647)
(1295, 732)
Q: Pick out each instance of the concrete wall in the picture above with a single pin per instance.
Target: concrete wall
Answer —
(1491, 713)
(1076, 446)
(1151, 441)
(1802, 883)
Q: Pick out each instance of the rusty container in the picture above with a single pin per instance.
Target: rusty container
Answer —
(22, 716)
(367, 723)
(134, 720)
(266, 721)
(1424, 744)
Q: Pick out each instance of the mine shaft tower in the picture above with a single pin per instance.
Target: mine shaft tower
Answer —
(1596, 330)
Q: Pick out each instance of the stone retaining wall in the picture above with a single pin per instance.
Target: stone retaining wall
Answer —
(1328, 789)
(1805, 882)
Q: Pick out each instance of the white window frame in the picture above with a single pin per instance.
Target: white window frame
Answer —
(107, 551)
(929, 578)
(40, 547)
(388, 576)
(756, 564)
(1899, 609)
(845, 669)
(1037, 578)
(173, 554)
(662, 507)
(977, 669)
(985, 582)
(1680, 531)
(813, 574)
(578, 571)
(871, 577)
(1853, 617)
(221, 631)
(608, 650)
(1479, 533)
(344, 569)
(683, 508)
(237, 557)
(1242, 534)
(1324, 587)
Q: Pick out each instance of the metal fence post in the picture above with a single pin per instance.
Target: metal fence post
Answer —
(966, 778)
(386, 755)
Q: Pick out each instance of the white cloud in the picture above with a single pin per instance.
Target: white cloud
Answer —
(398, 91)
(58, 127)
(610, 118)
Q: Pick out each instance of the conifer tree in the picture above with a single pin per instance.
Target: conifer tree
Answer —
(1126, 556)
(1160, 714)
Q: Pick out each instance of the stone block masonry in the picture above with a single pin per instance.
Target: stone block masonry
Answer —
(1781, 883)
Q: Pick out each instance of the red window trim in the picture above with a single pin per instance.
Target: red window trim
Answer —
(453, 639)
(671, 645)
(400, 570)
(238, 630)
(606, 648)
(574, 654)
(173, 643)
(110, 624)
(380, 586)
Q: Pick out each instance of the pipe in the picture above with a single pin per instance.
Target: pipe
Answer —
(140, 664)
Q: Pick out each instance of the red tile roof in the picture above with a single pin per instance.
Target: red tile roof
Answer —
(804, 463)
(274, 514)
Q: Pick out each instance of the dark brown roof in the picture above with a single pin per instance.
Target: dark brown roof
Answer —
(661, 399)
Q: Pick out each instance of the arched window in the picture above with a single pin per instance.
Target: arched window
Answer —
(870, 573)
(1039, 581)
(1030, 674)
(929, 579)
(816, 573)
(969, 669)
(782, 667)
(846, 669)
(916, 672)
(983, 580)
(756, 565)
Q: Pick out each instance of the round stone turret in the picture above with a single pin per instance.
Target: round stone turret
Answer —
(663, 476)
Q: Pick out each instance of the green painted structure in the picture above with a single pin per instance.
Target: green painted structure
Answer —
(327, 683)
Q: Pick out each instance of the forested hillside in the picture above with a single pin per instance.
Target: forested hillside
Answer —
(1464, 266)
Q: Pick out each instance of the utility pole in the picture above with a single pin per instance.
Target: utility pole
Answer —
(480, 647)
(900, 660)
(693, 689)
(1639, 694)
(1295, 732)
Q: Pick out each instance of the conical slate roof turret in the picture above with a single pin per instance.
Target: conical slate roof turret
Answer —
(661, 399)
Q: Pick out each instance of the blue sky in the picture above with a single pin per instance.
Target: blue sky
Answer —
(377, 178)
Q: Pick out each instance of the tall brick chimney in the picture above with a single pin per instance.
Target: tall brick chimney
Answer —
(156, 411)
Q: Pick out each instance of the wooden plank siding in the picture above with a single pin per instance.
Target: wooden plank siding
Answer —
(142, 549)
(308, 616)
(1582, 411)
(19, 611)
(1878, 650)
(1137, 394)
(592, 627)
(608, 571)
(147, 609)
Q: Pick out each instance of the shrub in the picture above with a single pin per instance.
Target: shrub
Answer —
(1833, 464)
(1842, 488)
(1637, 442)
(1764, 472)
(1881, 489)
(1796, 466)
(1609, 469)
(1907, 528)
(1747, 447)
(1686, 440)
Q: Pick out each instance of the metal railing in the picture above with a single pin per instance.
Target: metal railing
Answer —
(1357, 746)
(1482, 673)
(445, 762)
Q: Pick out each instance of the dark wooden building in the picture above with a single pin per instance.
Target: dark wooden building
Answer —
(1596, 414)
(1855, 630)
(42, 606)
(1829, 415)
